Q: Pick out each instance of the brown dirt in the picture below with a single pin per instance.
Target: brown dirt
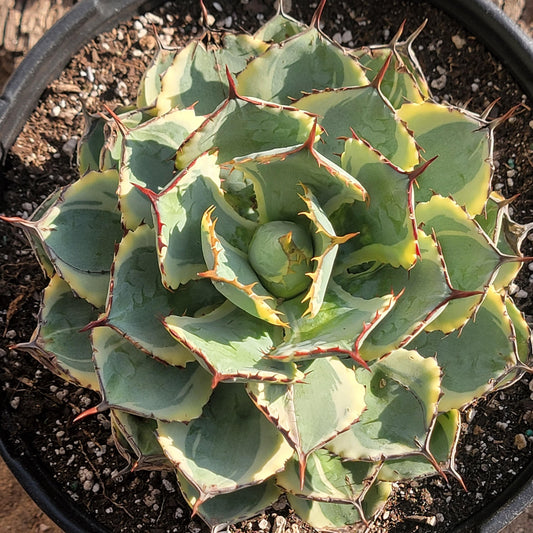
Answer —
(17, 513)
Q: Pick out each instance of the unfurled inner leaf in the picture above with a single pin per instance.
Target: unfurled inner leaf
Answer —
(278, 176)
(231, 273)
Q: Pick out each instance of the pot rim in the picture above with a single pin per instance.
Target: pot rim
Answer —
(45, 61)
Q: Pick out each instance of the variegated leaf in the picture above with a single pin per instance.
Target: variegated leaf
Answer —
(178, 210)
(471, 258)
(403, 82)
(472, 357)
(232, 345)
(361, 110)
(243, 126)
(133, 381)
(306, 62)
(136, 309)
(136, 441)
(343, 322)
(231, 446)
(232, 507)
(78, 232)
(280, 27)
(147, 161)
(311, 413)
(150, 85)
(341, 517)
(462, 169)
(387, 226)
(58, 342)
(328, 479)
(402, 383)
(422, 293)
(232, 275)
(442, 446)
(196, 78)
(278, 176)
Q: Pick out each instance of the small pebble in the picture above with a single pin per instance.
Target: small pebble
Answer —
(439, 83)
(520, 441)
(15, 402)
(263, 524)
(458, 41)
(347, 36)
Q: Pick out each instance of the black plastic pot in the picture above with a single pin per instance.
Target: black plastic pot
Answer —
(44, 63)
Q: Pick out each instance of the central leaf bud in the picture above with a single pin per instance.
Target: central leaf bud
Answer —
(280, 253)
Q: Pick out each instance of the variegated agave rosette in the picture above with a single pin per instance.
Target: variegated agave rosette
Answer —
(285, 272)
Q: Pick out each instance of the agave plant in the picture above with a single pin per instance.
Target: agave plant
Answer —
(285, 271)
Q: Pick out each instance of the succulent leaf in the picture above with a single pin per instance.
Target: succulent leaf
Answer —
(403, 382)
(136, 310)
(78, 233)
(422, 293)
(394, 239)
(58, 342)
(233, 354)
(328, 479)
(242, 126)
(305, 62)
(278, 176)
(147, 154)
(177, 212)
(443, 441)
(474, 357)
(471, 258)
(232, 507)
(462, 169)
(337, 329)
(137, 442)
(150, 84)
(330, 396)
(138, 384)
(325, 516)
(280, 27)
(364, 111)
(230, 447)
(403, 80)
